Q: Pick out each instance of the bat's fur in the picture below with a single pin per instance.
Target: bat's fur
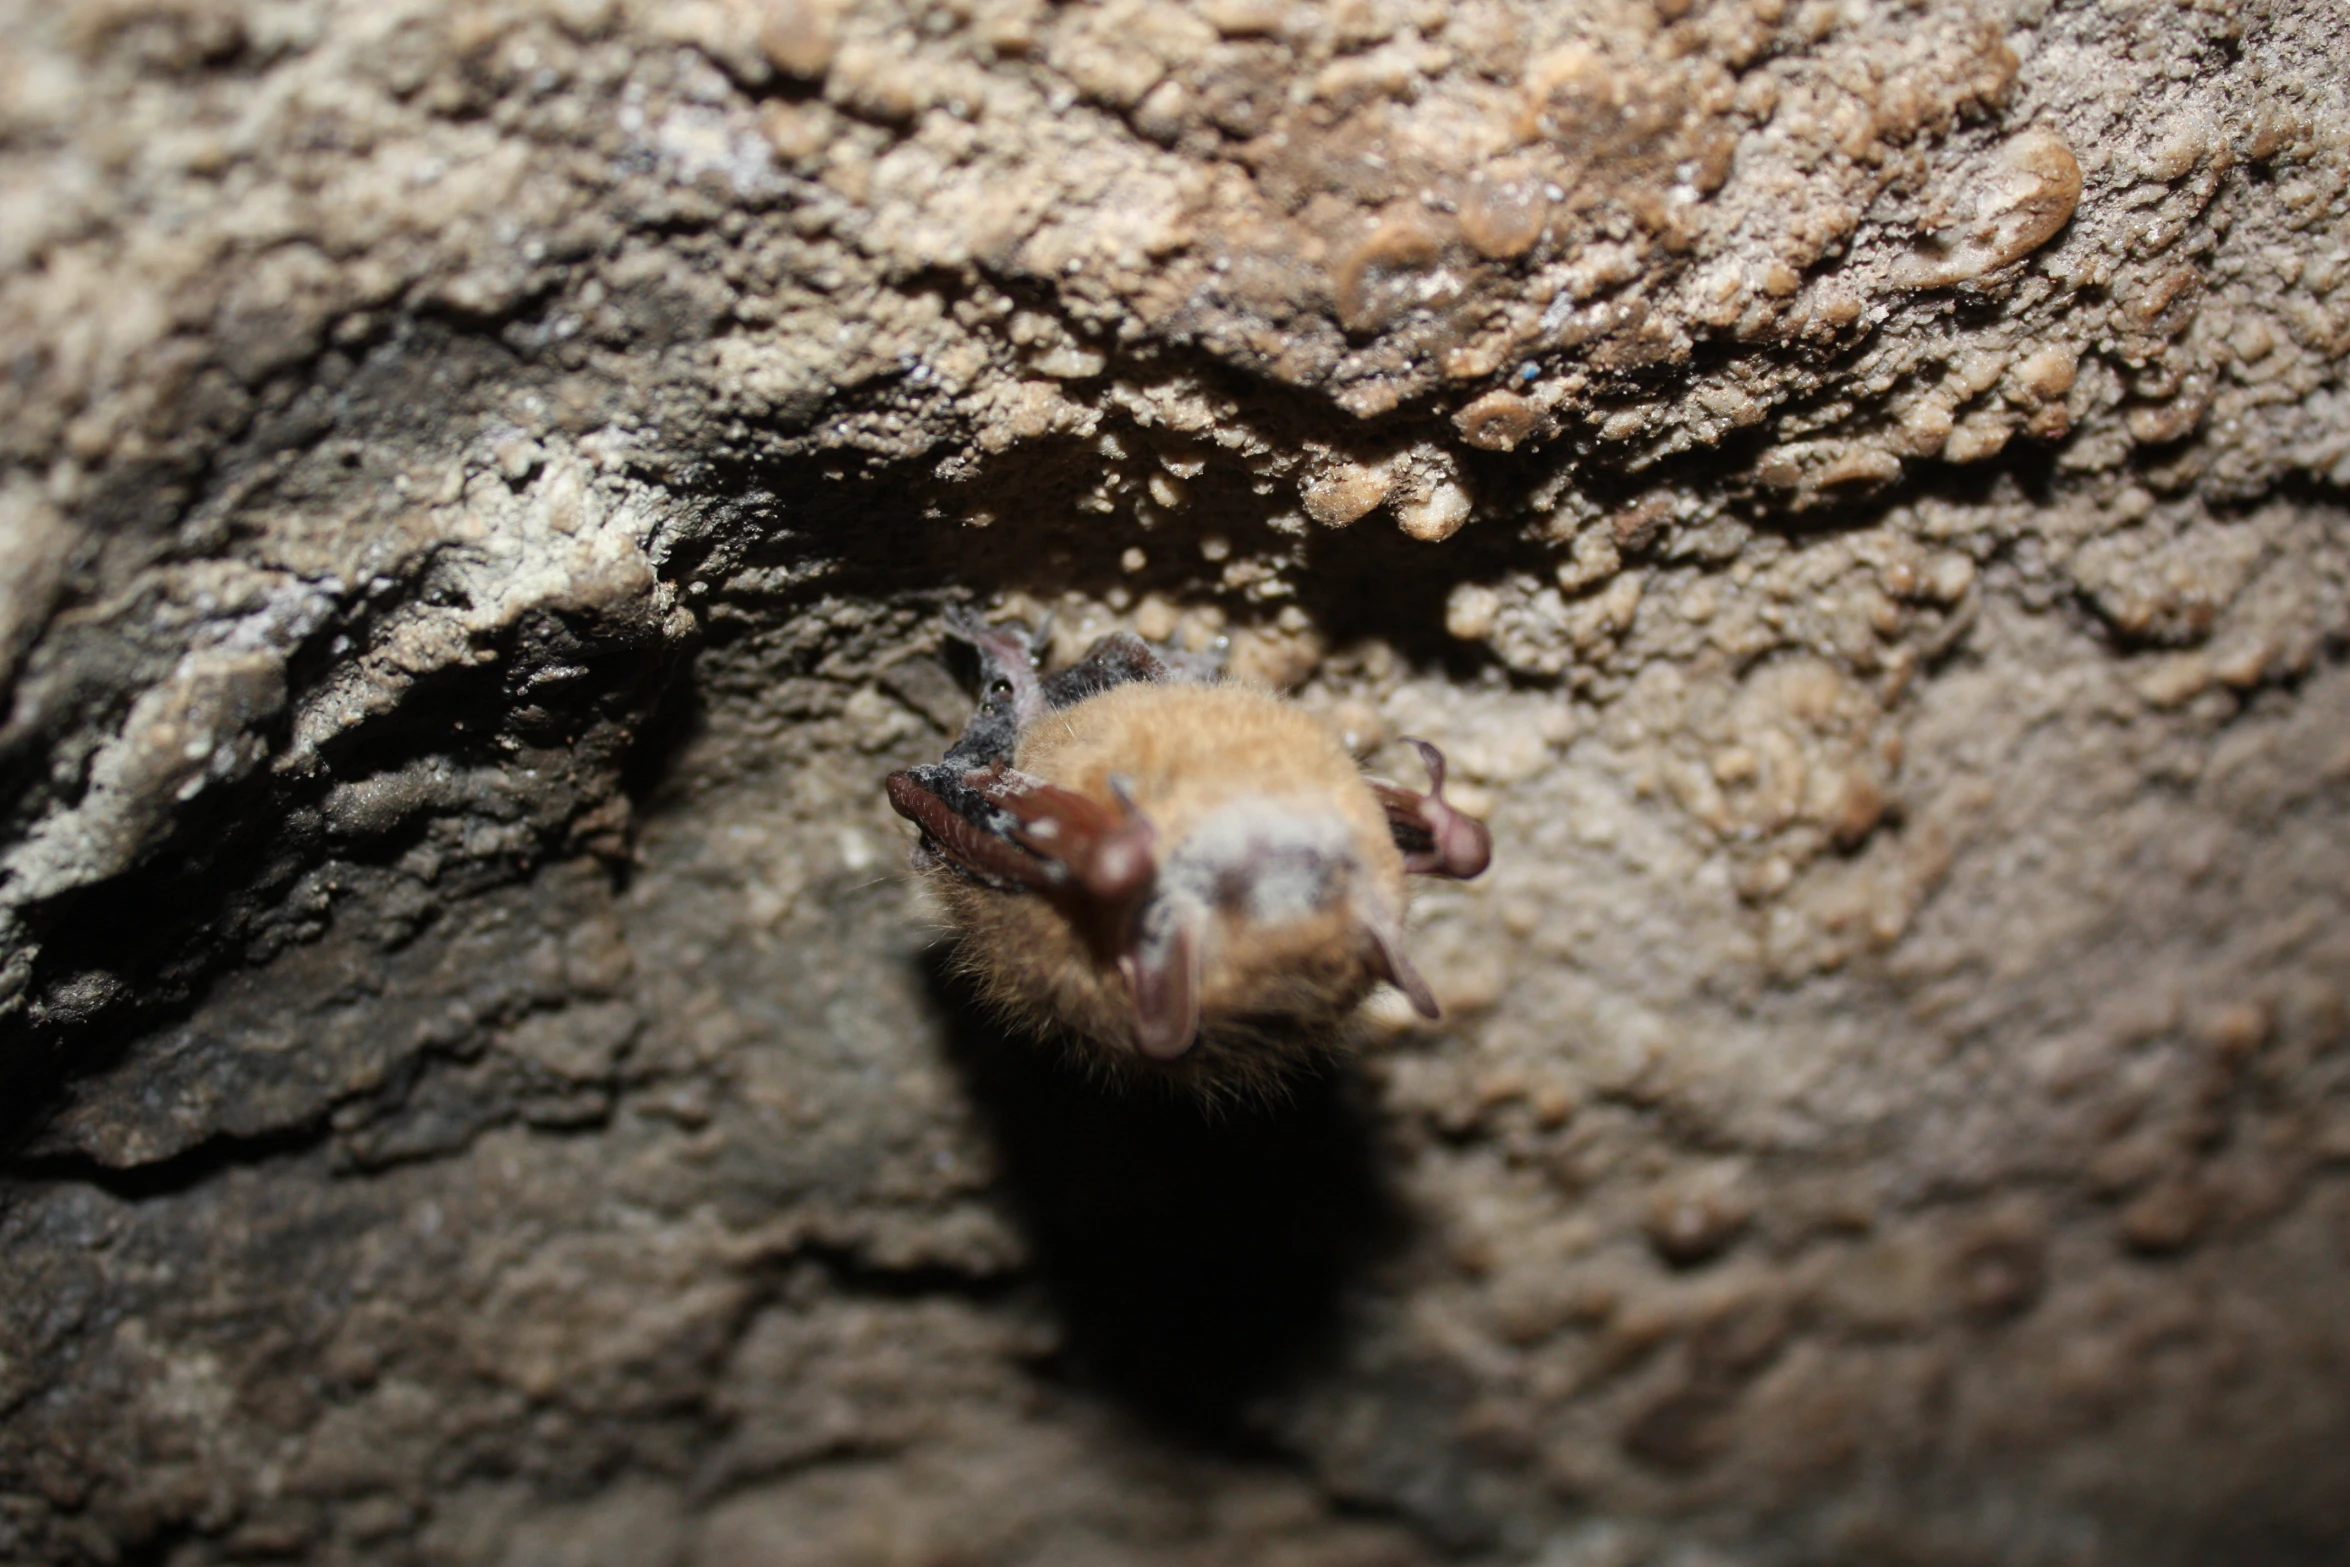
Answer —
(1267, 847)
(1246, 791)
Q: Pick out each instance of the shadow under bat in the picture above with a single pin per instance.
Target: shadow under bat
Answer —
(1200, 1256)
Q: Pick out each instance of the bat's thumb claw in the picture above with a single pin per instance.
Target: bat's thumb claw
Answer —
(1458, 846)
(1432, 759)
(1463, 847)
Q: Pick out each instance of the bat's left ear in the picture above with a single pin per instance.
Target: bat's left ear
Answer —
(1163, 974)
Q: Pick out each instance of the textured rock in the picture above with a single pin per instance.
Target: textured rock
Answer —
(1858, 493)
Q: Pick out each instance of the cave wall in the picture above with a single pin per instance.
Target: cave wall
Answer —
(1857, 490)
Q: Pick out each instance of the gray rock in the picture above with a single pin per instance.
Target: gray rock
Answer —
(1857, 493)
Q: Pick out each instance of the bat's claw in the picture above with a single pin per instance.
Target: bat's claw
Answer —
(1436, 839)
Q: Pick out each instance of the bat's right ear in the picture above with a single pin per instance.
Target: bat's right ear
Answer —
(1389, 964)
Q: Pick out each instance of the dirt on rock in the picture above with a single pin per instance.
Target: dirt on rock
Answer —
(1858, 492)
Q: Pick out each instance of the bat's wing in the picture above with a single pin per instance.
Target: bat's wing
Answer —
(1121, 658)
(963, 829)
(1436, 839)
(1011, 694)
(1014, 832)
(1100, 855)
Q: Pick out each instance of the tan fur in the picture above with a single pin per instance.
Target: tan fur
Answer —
(1186, 752)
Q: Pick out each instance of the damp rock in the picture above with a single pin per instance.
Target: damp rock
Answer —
(1695, 1219)
(488, 496)
(2018, 206)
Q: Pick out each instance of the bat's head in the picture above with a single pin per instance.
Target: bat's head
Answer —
(1268, 911)
(1191, 875)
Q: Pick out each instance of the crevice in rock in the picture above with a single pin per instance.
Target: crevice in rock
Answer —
(180, 1173)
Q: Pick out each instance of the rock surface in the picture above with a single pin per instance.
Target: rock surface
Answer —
(1859, 492)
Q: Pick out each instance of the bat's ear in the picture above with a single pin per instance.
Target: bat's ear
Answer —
(1436, 840)
(1389, 963)
(1164, 976)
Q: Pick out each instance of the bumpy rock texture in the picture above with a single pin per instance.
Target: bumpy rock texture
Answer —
(1858, 490)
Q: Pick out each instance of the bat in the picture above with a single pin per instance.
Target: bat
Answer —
(1184, 874)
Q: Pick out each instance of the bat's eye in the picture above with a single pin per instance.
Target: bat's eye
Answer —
(999, 688)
